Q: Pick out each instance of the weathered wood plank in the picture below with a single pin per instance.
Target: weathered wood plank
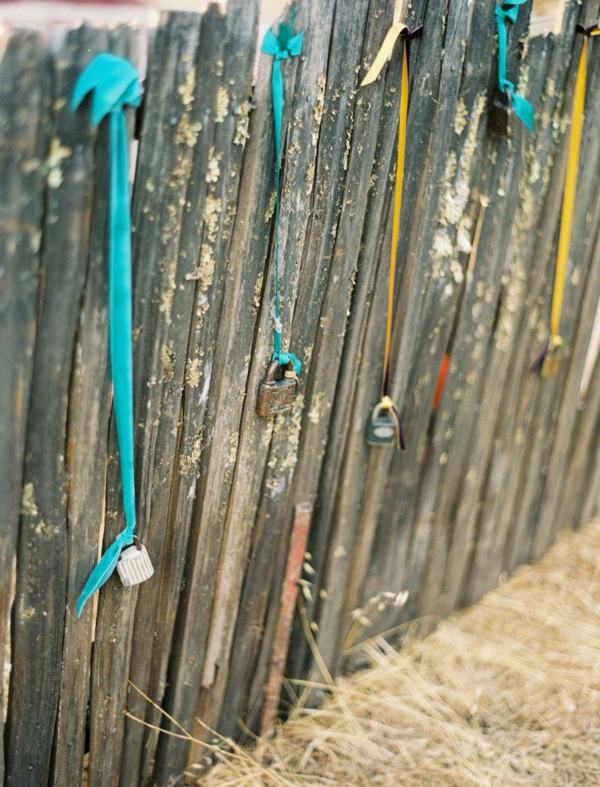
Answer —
(543, 521)
(529, 402)
(238, 514)
(565, 395)
(24, 133)
(285, 615)
(239, 258)
(88, 398)
(357, 246)
(467, 285)
(459, 228)
(362, 481)
(501, 393)
(584, 256)
(42, 555)
(579, 502)
(174, 117)
(455, 437)
(341, 188)
(204, 239)
(428, 524)
(115, 605)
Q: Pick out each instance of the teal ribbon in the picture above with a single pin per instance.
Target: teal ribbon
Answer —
(288, 358)
(114, 84)
(281, 46)
(504, 13)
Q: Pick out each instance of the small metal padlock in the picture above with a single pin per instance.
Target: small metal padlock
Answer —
(501, 118)
(278, 390)
(134, 565)
(381, 428)
(551, 362)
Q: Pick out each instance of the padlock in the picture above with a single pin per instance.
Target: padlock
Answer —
(551, 362)
(278, 390)
(381, 427)
(134, 565)
(501, 118)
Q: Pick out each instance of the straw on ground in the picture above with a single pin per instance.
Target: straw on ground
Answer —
(505, 693)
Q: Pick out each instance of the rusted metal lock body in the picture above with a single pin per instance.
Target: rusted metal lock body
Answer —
(278, 390)
(134, 565)
(381, 429)
(501, 119)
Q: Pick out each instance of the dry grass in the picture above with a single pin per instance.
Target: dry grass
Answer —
(505, 693)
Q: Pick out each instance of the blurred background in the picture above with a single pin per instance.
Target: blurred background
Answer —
(43, 12)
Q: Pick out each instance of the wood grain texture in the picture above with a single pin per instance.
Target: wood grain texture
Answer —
(488, 478)
(115, 607)
(169, 143)
(88, 403)
(281, 638)
(24, 135)
(43, 552)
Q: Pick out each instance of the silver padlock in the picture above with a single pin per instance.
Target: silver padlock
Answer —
(381, 429)
(134, 565)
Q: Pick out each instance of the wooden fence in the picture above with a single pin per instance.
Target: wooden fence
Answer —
(487, 479)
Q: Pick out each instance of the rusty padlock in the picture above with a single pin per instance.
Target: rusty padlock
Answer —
(501, 118)
(278, 390)
(134, 565)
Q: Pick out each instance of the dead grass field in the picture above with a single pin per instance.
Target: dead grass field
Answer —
(505, 693)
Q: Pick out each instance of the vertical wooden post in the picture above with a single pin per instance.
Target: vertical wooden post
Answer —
(24, 132)
(287, 605)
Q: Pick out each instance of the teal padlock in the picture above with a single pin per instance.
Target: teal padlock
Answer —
(381, 427)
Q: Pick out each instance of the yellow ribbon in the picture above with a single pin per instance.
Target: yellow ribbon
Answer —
(549, 359)
(568, 205)
(384, 54)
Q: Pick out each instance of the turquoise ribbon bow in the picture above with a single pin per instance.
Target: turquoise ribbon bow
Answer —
(281, 46)
(507, 12)
(114, 84)
(288, 358)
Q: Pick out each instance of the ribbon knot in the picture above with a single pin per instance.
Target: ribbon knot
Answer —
(283, 359)
(292, 49)
(285, 44)
(114, 84)
(508, 11)
(282, 46)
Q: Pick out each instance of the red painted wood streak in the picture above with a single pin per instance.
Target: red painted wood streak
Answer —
(287, 605)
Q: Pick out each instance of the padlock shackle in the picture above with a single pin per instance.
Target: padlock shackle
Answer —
(379, 408)
(276, 371)
(273, 374)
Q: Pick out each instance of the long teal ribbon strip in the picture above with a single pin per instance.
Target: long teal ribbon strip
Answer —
(114, 83)
(281, 46)
(507, 12)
